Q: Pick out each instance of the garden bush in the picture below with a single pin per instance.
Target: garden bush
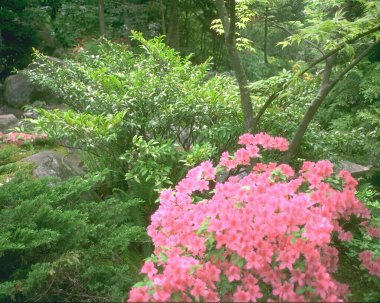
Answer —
(60, 242)
(116, 94)
(248, 231)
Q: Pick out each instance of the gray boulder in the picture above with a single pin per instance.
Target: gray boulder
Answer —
(18, 90)
(47, 39)
(2, 87)
(355, 169)
(50, 164)
(7, 122)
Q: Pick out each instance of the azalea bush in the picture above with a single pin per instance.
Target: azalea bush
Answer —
(248, 231)
(20, 138)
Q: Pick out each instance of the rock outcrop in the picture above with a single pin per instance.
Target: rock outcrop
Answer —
(355, 169)
(7, 122)
(18, 90)
(51, 164)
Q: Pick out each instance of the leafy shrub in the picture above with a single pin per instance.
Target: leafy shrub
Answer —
(247, 231)
(59, 242)
(115, 95)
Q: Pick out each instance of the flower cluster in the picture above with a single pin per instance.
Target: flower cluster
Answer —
(373, 266)
(266, 233)
(20, 138)
(374, 231)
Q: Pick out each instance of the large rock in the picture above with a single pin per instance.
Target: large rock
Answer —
(2, 87)
(18, 90)
(47, 39)
(7, 122)
(50, 164)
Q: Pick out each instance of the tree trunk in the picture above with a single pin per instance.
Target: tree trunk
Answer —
(229, 37)
(172, 38)
(102, 22)
(163, 22)
(266, 36)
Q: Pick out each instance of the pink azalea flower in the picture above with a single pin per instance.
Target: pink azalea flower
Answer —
(374, 231)
(139, 295)
(149, 269)
(284, 291)
(242, 296)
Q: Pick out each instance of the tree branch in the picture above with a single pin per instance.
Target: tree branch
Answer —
(352, 64)
(263, 108)
(323, 91)
(338, 48)
(306, 41)
(272, 97)
(326, 87)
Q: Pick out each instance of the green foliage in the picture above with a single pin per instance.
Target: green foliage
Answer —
(17, 36)
(330, 23)
(6, 152)
(58, 244)
(76, 19)
(351, 115)
(115, 95)
(283, 116)
(370, 197)
(243, 15)
(199, 153)
(150, 167)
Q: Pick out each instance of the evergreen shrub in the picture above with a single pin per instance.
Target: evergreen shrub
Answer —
(58, 242)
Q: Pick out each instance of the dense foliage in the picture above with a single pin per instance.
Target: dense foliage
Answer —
(13, 32)
(148, 94)
(59, 242)
(123, 120)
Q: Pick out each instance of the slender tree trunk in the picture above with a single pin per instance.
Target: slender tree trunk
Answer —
(266, 36)
(102, 22)
(163, 22)
(229, 37)
(326, 87)
(186, 29)
(173, 28)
